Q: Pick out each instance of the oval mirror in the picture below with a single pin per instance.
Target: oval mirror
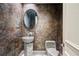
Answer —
(30, 19)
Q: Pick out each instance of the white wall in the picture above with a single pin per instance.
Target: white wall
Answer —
(71, 28)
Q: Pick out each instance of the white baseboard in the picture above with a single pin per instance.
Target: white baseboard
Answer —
(71, 49)
(72, 44)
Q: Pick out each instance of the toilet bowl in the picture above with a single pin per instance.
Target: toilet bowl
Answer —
(51, 48)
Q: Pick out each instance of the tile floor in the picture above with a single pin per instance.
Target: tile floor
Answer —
(35, 53)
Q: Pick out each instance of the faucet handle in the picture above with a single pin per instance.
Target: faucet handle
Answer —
(30, 33)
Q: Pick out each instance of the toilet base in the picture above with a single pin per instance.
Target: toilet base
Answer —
(52, 52)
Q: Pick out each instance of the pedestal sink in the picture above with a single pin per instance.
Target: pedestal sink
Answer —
(28, 39)
(28, 45)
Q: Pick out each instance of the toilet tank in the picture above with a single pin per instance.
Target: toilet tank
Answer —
(50, 44)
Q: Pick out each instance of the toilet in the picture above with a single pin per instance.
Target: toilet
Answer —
(51, 48)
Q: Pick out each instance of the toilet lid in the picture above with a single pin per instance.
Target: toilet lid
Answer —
(52, 51)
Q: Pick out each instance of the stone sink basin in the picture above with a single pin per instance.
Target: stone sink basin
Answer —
(28, 39)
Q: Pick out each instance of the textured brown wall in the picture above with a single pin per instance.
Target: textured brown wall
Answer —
(10, 44)
(49, 25)
(46, 28)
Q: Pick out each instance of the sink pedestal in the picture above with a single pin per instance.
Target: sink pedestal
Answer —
(28, 49)
(28, 45)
